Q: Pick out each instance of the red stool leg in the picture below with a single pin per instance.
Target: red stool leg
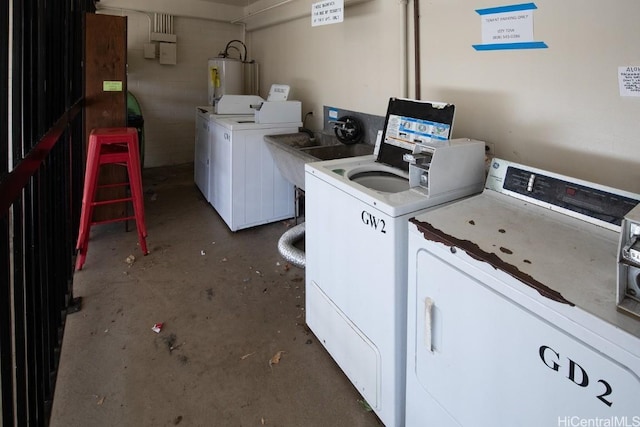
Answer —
(135, 184)
(86, 214)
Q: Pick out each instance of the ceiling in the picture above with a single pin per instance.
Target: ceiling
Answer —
(239, 3)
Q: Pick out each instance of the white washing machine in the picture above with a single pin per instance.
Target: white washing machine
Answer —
(512, 314)
(201, 150)
(246, 187)
(204, 134)
(356, 244)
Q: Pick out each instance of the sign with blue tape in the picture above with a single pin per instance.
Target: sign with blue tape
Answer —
(508, 27)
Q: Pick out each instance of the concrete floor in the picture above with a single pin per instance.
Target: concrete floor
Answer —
(229, 304)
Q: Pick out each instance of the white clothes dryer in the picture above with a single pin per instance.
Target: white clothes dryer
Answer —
(356, 244)
(512, 316)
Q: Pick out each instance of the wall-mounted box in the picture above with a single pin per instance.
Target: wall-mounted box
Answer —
(150, 50)
(168, 53)
(162, 37)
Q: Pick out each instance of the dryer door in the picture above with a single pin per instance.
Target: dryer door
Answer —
(490, 361)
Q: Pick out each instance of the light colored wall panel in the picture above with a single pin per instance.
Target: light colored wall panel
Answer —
(168, 94)
(557, 108)
(355, 65)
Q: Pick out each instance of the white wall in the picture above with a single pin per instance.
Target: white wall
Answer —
(168, 94)
(556, 108)
(355, 65)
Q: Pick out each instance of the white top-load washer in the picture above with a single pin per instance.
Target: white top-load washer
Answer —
(512, 317)
(232, 106)
(241, 112)
(247, 188)
(356, 212)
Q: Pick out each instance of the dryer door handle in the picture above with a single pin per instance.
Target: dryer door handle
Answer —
(428, 323)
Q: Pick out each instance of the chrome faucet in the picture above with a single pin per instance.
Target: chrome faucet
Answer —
(337, 124)
(346, 127)
(348, 130)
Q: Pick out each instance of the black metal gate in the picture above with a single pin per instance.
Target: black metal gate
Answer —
(41, 151)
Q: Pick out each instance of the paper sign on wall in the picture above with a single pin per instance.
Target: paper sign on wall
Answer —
(327, 12)
(508, 27)
(111, 86)
(629, 80)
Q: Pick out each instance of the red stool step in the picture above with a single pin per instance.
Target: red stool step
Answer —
(111, 146)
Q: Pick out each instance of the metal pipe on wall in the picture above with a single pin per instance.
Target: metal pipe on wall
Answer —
(416, 41)
(162, 23)
(404, 77)
(243, 19)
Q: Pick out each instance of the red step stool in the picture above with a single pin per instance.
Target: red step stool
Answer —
(111, 146)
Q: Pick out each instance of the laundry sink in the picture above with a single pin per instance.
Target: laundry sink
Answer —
(292, 140)
(292, 151)
(329, 152)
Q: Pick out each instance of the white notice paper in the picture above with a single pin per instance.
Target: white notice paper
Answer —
(629, 80)
(509, 27)
(327, 12)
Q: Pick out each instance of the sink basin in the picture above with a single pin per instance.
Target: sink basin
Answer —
(292, 151)
(329, 152)
(292, 140)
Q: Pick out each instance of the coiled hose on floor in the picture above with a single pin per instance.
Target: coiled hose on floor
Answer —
(287, 249)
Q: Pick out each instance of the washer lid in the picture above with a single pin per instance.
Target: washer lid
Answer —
(409, 122)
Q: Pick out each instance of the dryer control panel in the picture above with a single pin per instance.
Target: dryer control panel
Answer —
(595, 203)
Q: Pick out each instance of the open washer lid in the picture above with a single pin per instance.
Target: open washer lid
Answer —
(409, 122)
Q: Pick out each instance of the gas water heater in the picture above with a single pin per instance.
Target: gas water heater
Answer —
(226, 77)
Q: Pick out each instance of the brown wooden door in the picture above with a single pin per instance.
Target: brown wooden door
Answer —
(105, 87)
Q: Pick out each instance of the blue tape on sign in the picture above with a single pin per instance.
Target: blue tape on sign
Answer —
(505, 9)
(507, 46)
